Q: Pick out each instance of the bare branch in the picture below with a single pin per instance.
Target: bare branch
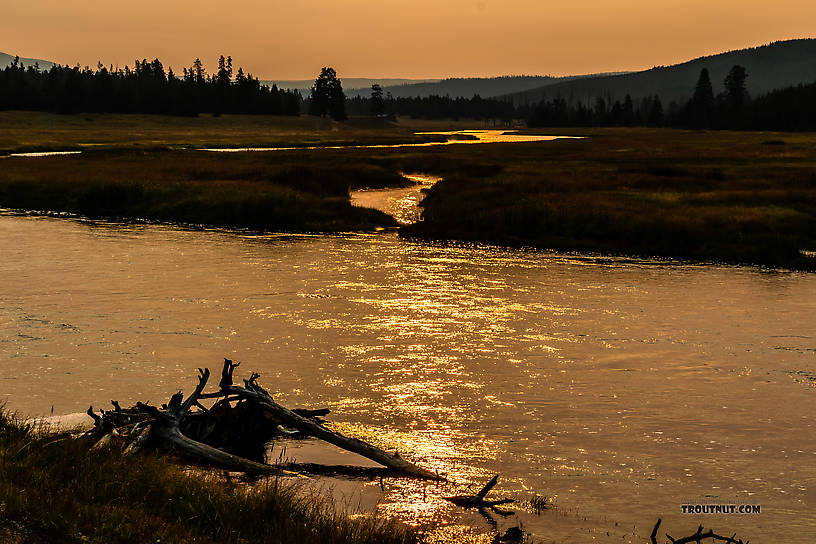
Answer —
(700, 535)
(488, 486)
(203, 376)
(226, 374)
(96, 418)
(478, 500)
(154, 412)
(653, 536)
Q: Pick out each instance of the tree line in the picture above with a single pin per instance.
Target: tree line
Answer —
(327, 99)
(145, 88)
(434, 107)
(149, 88)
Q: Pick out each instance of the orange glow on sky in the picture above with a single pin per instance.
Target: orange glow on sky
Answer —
(274, 39)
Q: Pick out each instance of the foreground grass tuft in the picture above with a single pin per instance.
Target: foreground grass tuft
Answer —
(54, 489)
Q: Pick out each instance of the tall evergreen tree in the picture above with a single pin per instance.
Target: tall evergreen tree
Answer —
(327, 96)
(701, 107)
(655, 113)
(198, 72)
(736, 92)
(377, 103)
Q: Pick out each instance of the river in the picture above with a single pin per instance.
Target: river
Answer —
(620, 388)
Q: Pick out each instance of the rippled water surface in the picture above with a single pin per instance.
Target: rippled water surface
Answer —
(620, 388)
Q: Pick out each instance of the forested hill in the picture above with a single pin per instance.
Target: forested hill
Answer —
(6, 60)
(769, 67)
(486, 87)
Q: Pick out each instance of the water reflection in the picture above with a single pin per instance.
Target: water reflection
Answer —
(455, 137)
(620, 387)
(44, 154)
(401, 204)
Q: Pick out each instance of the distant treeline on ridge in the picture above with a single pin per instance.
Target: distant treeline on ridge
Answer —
(145, 88)
(790, 108)
(438, 107)
(148, 88)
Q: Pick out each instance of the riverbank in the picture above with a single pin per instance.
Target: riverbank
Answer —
(54, 489)
(705, 196)
(294, 192)
(149, 167)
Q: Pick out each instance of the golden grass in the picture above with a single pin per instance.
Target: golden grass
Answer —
(33, 131)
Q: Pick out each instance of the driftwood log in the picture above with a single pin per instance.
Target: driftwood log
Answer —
(697, 537)
(479, 500)
(258, 395)
(235, 428)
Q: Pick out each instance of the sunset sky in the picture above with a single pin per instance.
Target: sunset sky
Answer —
(274, 39)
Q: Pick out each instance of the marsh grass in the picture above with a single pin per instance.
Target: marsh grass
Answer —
(37, 131)
(260, 191)
(737, 197)
(54, 489)
(696, 195)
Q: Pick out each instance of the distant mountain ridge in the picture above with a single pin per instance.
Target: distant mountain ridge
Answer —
(773, 66)
(6, 60)
(467, 87)
(304, 85)
(485, 87)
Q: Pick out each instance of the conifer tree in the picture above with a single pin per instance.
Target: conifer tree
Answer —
(735, 91)
(377, 103)
(702, 103)
(327, 96)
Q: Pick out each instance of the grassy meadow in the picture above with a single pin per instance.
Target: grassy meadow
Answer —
(147, 167)
(712, 196)
(259, 191)
(56, 489)
(738, 197)
(37, 131)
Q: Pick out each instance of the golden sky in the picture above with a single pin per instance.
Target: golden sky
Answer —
(292, 39)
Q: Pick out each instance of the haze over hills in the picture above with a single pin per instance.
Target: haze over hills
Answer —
(486, 87)
(304, 85)
(6, 60)
(773, 66)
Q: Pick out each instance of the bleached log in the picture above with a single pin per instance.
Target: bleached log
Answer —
(105, 440)
(217, 457)
(140, 441)
(255, 393)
